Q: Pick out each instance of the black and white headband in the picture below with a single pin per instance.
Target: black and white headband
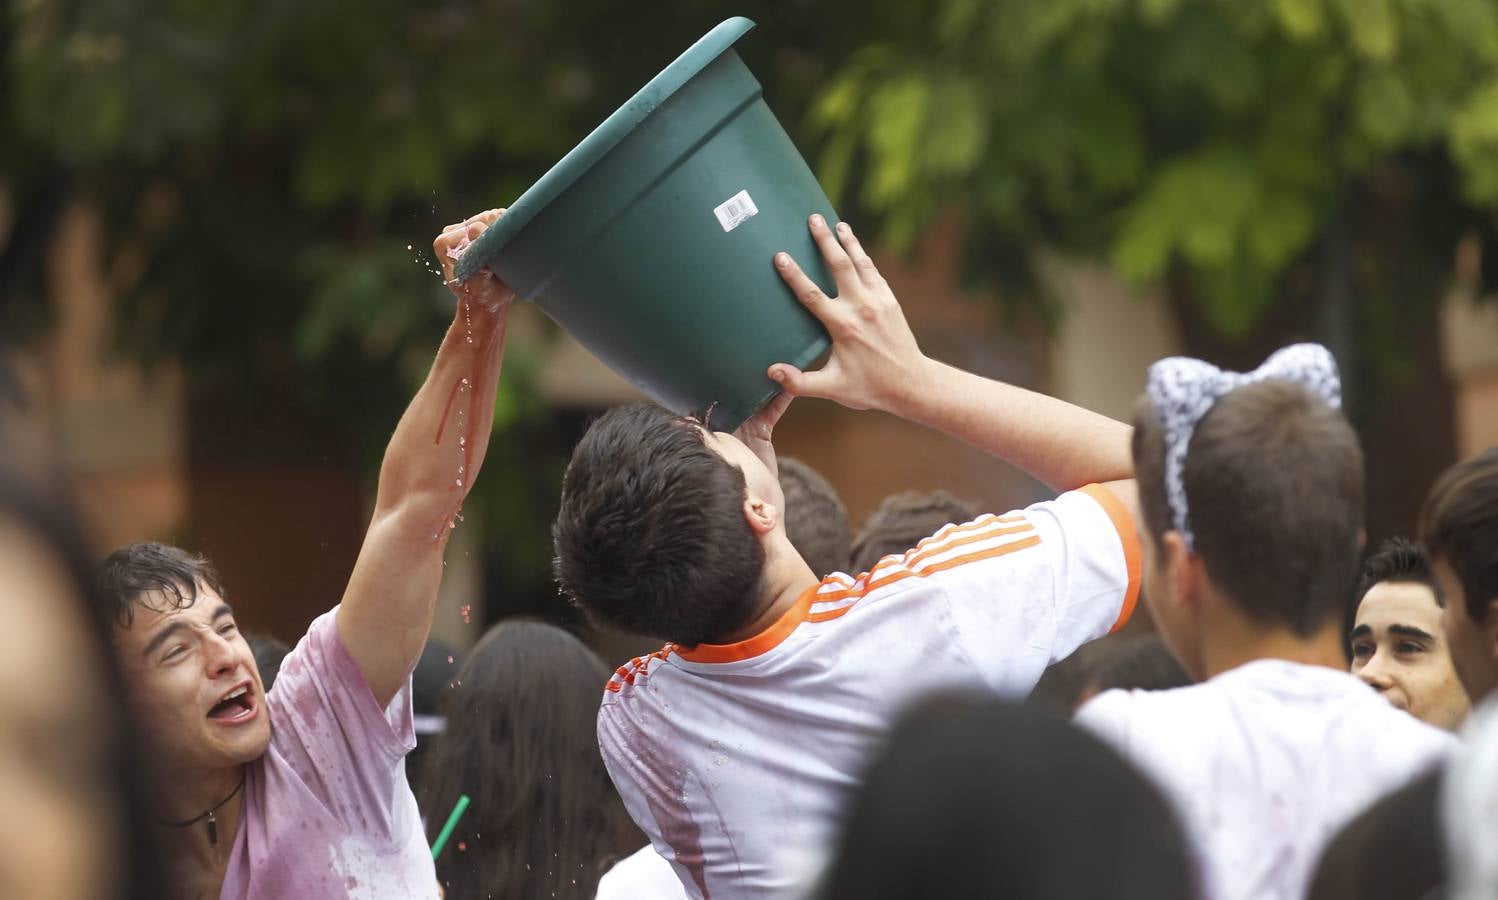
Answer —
(1181, 390)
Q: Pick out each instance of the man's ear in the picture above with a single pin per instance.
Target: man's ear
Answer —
(761, 515)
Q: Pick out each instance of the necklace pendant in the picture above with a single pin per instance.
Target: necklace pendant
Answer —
(212, 830)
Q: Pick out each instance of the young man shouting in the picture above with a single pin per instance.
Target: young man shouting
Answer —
(302, 792)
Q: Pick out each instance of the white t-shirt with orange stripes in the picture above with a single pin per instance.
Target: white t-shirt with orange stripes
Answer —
(737, 759)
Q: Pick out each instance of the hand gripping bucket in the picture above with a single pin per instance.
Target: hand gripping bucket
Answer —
(652, 241)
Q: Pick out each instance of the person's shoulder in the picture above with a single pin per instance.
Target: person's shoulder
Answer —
(1138, 714)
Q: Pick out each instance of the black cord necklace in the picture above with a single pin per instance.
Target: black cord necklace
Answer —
(212, 822)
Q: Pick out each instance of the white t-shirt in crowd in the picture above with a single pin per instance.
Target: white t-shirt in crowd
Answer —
(737, 759)
(643, 875)
(1265, 763)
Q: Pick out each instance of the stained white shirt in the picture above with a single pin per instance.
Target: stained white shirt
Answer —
(1265, 763)
(736, 760)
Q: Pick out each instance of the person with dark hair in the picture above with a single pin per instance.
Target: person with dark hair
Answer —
(1459, 530)
(902, 520)
(1129, 662)
(302, 792)
(815, 519)
(1438, 830)
(269, 651)
(75, 824)
(1139, 662)
(1398, 642)
(977, 797)
(736, 744)
(544, 820)
(1252, 493)
(432, 680)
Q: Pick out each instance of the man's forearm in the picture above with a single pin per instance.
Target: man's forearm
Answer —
(440, 442)
(1060, 444)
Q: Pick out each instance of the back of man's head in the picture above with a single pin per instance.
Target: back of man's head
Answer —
(156, 576)
(816, 522)
(904, 520)
(1273, 480)
(651, 536)
(1459, 526)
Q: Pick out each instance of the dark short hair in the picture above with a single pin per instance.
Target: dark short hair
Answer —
(816, 522)
(977, 796)
(904, 520)
(1274, 482)
(152, 575)
(1397, 559)
(651, 536)
(1459, 526)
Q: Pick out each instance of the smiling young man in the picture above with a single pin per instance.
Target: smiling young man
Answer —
(1398, 640)
(302, 792)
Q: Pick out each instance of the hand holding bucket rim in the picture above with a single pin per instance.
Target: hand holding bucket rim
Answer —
(482, 287)
(875, 361)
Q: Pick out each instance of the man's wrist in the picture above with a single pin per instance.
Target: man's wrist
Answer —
(913, 391)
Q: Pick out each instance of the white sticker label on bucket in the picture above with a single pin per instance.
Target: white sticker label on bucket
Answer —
(735, 210)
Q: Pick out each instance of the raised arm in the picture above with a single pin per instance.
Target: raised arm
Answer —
(429, 467)
(876, 364)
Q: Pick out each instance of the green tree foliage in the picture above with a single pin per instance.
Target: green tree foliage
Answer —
(273, 172)
(1242, 151)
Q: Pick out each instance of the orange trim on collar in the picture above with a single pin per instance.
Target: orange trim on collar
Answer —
(1128, 534)
(763, 642)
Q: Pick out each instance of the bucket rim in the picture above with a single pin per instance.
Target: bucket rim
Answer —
(591, 149)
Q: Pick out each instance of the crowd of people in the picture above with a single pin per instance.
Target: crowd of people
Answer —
(936, 704)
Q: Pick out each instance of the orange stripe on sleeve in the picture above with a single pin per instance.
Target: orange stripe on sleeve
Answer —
(1128, 535)
(903, 574)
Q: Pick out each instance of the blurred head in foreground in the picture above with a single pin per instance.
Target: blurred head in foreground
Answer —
(976, 796)
(72, 824)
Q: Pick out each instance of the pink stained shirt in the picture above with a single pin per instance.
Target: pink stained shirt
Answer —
(327, 810)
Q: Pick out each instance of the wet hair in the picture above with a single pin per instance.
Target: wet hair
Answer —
(816, 522)
(154, 576)
(976, 796)
(904, 520)
(521, 742)
(1274, 478)
(269, 651)
(1398, 559)
(1459, 526)
(651, 536)
(50, 520)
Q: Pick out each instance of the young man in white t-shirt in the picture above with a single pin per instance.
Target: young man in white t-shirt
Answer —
(736, 746)
(1252, 495)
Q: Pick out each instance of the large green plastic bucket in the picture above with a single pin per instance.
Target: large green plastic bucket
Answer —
(652, 242)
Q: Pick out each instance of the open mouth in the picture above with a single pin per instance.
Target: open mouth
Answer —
(237, 705)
